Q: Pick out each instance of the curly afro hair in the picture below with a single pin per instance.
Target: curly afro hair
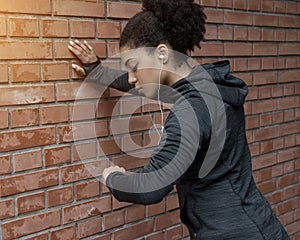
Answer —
(178, 23)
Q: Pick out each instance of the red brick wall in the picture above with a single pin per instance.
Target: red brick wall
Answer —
(47, 193)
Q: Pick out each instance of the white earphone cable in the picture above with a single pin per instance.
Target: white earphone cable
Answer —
(159, 103)
(158, 95)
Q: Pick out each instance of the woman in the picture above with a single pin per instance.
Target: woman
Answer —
(217, 194)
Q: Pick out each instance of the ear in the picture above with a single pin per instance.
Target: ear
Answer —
(162, 52)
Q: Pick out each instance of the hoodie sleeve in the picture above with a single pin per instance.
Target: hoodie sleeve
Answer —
(105, 76)
(145, 198)
(169, 161)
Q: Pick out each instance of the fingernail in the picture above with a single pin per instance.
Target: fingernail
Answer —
(85, 42)
(73, 66)
(71, 42)
(76, 41)
(69, 47)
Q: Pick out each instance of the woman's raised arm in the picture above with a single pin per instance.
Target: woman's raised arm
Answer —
(93, 69)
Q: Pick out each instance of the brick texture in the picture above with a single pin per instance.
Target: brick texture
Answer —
(51, 147)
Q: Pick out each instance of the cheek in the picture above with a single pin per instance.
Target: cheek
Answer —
(147, 76)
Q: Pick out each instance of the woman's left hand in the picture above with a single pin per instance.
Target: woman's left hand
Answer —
(110, 170)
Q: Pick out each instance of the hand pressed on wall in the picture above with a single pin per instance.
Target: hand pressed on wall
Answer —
(110, 170)
(84, 52)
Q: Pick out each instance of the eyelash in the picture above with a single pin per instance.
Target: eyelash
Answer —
(134, 68)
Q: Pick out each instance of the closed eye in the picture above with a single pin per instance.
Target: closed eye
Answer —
(131, 64)
(134, 69)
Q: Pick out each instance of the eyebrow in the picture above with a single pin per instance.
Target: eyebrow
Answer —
(127, 61)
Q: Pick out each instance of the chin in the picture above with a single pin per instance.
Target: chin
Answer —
(149, 93)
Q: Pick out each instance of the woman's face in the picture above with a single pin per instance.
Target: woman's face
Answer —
(144, 70)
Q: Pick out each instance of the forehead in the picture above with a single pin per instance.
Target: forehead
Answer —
(136, 53)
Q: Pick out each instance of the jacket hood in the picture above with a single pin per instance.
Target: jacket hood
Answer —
(232, 89)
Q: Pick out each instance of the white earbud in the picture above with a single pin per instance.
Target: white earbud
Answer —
(161, 56)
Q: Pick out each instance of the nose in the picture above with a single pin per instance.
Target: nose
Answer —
(131, 78)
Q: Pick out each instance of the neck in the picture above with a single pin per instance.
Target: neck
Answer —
(174, 75)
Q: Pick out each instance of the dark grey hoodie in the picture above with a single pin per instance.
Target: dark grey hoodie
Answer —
(204, 152)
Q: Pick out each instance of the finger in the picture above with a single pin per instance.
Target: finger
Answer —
(78, 69)
(121, 169)
(74, 50)
(105, 174)
(78, 48)
(88, 45)
(78, 53)
(83, 46)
